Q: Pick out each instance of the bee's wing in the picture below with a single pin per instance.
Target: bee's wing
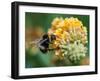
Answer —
(35, 42)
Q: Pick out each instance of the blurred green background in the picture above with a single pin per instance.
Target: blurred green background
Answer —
(37, 24)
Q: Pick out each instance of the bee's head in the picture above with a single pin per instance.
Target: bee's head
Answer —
(45, 36)
(53, 37)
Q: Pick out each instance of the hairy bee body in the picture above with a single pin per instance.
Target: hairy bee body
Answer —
(45, 41)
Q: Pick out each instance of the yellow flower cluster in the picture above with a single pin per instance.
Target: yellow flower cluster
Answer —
(67, 30)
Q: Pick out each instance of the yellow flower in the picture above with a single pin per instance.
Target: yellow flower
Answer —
(84, 29)
(67, 30)
(59, 54)
(56, 21)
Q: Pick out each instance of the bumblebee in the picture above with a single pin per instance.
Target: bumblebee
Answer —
(45, 41)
